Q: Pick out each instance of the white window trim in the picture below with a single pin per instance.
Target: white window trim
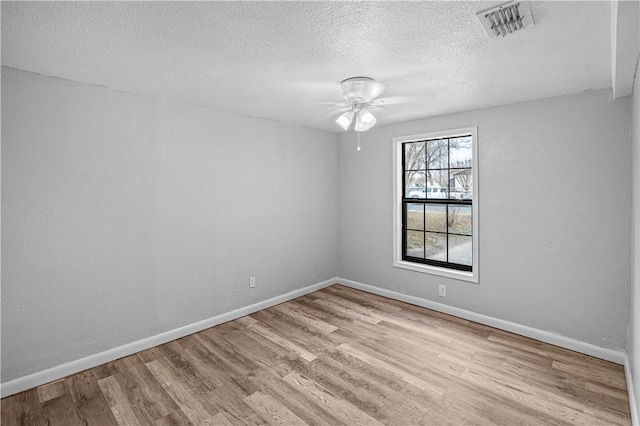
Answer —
(397, 208)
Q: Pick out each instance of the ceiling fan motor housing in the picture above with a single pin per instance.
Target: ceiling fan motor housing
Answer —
(357, 90)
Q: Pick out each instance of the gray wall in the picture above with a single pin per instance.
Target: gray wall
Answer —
(633, 345)
(125, 216)
(555, 179)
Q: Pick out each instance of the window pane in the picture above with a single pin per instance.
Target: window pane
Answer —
(461, 184)
(437, 183)
(437, 220)
(436, 246)
(415, 244)
(460, 249)
(438, 154)
(414, 158)
(459, 219)
(415, 216)
(460, 152)
(415, 183)
(436, 217)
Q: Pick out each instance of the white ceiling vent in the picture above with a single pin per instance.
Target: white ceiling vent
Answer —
(506, 18)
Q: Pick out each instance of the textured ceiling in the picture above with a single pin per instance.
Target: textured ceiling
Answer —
(285, 60)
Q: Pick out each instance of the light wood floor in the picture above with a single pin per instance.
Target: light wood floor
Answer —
(337, 356)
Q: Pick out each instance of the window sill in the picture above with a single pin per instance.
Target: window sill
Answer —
(434, 270)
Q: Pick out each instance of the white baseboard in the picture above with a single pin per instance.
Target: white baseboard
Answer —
(633, 406)
(58, 372)
(544, 336)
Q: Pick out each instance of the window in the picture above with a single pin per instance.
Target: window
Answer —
(436, 211)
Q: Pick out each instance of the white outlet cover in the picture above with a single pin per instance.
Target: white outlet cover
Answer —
(442, 290)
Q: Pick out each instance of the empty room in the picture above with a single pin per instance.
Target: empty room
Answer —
(320, 213)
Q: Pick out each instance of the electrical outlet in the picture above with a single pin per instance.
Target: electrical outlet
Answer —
(442, 290)
(252, 281)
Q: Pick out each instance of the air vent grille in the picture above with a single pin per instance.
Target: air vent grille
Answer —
(506, 18)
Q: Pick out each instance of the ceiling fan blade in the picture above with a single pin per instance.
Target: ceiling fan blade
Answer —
(397, 100)
(331, 112)
(342, 104)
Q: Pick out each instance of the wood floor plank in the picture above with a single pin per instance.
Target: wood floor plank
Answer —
(175, 354)
(176, 418)
(564, 409)
(365, 299)
(366, 388)
(204, 364)
(606, 377)
(432, 335)
(603, 414)
(230, 398)
(470, 404)
(263, 352)
(272, 411)
(403, 374)
(324, 313)
(246, 321)
(221, 419)
(105, 370)
(148, 398)
(91, 404)
(23, 408)
(348, 313)
(221, 346)
(216, 367)
(347, 384)
(179, 390)
(275, 338)
(62, 411)
(395, 319)
(121, 407)
(602, 389)
(303, 318)
(337, 356)
(309, 339)
(351, 305)
(300, 404)
(228, 369)
(344, 411)
(51, 390)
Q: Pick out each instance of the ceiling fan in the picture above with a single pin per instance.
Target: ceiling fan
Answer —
(360, 94)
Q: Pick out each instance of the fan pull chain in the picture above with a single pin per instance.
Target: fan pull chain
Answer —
(358, 149)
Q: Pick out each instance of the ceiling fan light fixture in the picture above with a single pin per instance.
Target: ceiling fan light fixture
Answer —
(345, 119)
(360, 93)
(364, 121)
(361, 89)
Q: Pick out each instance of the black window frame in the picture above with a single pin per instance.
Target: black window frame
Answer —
(447, 202)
